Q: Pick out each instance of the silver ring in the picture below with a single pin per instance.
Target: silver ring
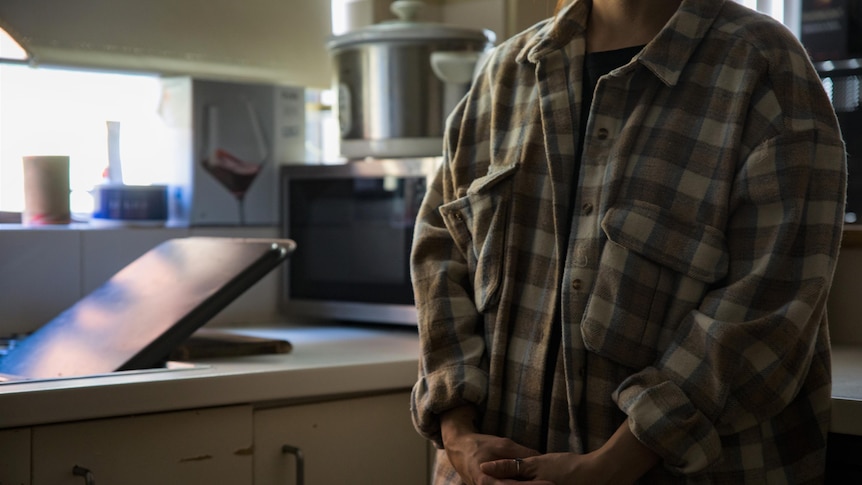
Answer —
(517, 467)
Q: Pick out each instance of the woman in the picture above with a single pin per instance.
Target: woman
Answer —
(622, 268)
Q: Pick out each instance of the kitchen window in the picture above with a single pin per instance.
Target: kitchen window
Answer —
(65, 112)
(774, 8)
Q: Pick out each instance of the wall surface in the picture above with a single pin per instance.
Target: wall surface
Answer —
(504, 17)
(45, 271)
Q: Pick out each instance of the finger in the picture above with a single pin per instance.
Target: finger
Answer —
(510, 449)
(507, 468)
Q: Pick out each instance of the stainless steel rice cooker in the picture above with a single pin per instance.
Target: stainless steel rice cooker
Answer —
(398, 80)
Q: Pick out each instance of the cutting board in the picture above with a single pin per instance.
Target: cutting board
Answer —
(208, 343)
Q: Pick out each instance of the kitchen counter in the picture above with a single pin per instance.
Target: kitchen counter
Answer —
(326, 361)
(847, 389)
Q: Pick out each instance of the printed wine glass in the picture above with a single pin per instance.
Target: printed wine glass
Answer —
(232, 172)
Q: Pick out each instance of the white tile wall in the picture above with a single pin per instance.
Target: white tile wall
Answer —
(44, 271)
(40, 276)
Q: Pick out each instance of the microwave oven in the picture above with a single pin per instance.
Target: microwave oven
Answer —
(353, 225)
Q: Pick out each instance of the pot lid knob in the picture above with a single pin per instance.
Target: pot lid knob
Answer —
(407, 10)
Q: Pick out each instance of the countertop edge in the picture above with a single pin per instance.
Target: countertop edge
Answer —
(325, 363)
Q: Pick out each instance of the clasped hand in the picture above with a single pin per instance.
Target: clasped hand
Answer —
(482, 459)
(489, 460)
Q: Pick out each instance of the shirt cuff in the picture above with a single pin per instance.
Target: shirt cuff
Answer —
(443, 390)
(664, 419)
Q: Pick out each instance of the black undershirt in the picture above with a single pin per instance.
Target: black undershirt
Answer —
(596, 65)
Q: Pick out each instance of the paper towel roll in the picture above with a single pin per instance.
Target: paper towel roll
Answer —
(46, 190)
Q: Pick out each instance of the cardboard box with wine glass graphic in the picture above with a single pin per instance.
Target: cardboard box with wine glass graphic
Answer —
(227, 140)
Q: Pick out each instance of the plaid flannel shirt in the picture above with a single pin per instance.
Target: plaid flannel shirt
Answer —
(687, 274)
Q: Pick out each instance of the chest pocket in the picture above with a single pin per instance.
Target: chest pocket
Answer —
(653, 270)
(477, 223)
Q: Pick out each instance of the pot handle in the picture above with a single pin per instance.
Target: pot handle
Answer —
(407, 10)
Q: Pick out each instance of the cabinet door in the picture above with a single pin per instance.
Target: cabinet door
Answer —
(208, 446)
(15, 456)
(359, 441)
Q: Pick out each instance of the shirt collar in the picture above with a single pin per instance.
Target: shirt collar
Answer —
(666, 55)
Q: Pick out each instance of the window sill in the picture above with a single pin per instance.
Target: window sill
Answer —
(86, 226)
(10, 217)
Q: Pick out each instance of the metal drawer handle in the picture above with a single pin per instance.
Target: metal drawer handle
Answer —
(300, 462)
(80, 471)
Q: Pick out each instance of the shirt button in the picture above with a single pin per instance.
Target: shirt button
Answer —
(457, 216)
(587, 209)
(602, 134)
(580, 258)
(576, 284)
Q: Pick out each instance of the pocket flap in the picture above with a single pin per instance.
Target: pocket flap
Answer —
(687, 247)
(495, 175)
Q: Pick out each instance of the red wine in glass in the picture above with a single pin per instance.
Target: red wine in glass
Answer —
(234, 174)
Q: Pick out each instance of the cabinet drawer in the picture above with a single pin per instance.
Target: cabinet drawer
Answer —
(15, 456)
(360, 441)
(201, 446)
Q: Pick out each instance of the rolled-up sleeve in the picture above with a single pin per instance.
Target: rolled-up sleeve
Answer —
(451, 372)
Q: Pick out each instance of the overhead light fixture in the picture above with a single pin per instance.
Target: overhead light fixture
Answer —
(11, 52)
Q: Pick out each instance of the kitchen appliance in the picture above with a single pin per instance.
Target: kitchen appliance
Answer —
(831, 29)
(353, 224)
(842, 80)
(226, 142)
(391, 104)
(141, 314)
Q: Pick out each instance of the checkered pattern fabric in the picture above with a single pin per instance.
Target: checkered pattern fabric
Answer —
(681, 286)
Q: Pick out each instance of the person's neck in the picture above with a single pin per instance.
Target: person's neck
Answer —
(616, 24)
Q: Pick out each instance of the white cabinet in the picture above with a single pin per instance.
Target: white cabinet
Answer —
(266, 40)
(206, 446)
(15, 456)
(360, 441)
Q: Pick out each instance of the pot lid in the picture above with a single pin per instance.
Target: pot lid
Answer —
(406, 28)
